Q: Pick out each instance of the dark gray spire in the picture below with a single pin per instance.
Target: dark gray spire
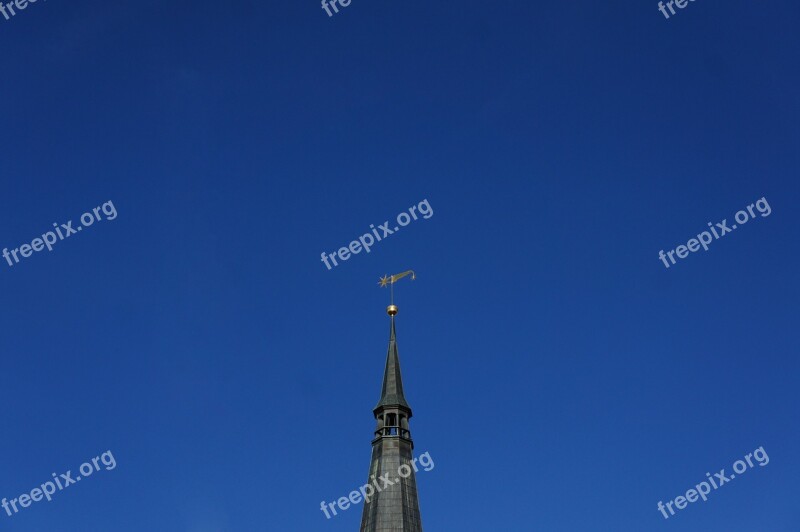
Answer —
(392, 390)
(393, 508)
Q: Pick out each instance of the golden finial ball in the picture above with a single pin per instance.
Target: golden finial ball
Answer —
(391, 310)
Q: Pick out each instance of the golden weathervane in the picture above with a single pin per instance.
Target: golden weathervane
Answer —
(392, 308)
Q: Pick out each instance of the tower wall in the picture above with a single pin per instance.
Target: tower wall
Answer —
(396, 507)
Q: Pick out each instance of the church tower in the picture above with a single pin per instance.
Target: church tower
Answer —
(395, 508)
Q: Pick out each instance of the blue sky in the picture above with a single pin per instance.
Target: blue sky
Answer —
(561, 377)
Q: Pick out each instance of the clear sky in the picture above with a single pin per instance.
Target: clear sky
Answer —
(562, 378)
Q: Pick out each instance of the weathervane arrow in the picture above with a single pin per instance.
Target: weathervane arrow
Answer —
(392, 310)
(394, 278)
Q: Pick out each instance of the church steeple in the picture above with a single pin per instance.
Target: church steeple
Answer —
(395, 508)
